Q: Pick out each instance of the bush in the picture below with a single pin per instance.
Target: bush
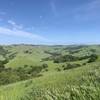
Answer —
(58, 69)
(65, 58)
(25, 66)
(9, 75)
(84, 64)
(93, 58)
(46, 69)
(3, 51)
(70, 66)
(56, 60)
(44, 66)
(2, 67)
(93, 50)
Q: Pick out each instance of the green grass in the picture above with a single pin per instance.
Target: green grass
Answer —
(53, 84)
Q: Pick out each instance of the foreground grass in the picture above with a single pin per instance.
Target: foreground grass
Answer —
(64, 85)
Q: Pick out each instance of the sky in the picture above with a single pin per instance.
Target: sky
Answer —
(50, 21)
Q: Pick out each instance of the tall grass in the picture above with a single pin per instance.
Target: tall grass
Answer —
(65, 93)
(89, 89)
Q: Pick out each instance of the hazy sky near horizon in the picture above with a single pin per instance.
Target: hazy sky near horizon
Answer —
(50, 21)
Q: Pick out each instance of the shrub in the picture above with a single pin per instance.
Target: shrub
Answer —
(84, 64)
(46, 69)
(45, 66)
(93, 58)
(70, 66)
(25, 66)
(9, 75)
(57, 69)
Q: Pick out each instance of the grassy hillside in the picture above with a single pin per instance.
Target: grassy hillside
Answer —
(72, 72)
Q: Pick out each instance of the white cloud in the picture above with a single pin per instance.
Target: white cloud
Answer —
(11, 22)
(20, 33)
(14, 25)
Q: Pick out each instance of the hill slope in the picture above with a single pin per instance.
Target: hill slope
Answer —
(69, 79)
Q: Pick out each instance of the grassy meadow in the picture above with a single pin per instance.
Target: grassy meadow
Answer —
(40, 72)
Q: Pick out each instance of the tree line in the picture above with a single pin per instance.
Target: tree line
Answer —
(11, 75)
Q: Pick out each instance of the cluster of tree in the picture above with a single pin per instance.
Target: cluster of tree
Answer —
(65, 58)
(73, 51)
(12, 56)
(60, 58)
(48, 58)
(93, 50)
(75, 47)
(28, 52)
(70, 66)
(53, 53)
(92, 58)
(3, 62)
(69, 58)
(3, 52)
(9, 75)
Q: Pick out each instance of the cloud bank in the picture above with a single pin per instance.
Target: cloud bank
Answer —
(19, 33)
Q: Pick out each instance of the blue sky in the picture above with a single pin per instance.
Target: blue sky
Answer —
(50, 21)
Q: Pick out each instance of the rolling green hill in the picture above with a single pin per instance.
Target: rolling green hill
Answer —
(38, 72)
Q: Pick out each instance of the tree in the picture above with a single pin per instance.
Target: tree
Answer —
(44, 66)
(70, 66)
(93, 58)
